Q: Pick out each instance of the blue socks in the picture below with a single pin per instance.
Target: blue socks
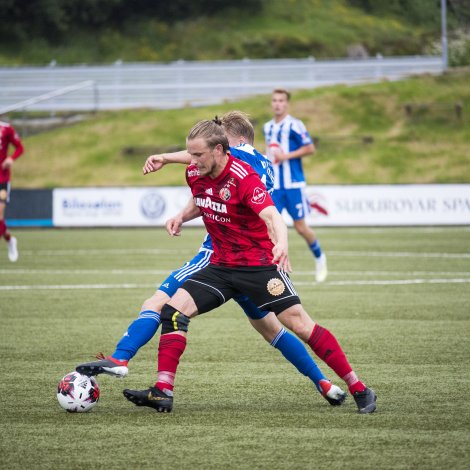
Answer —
(315, 249)
(139, 333)
(294, 351)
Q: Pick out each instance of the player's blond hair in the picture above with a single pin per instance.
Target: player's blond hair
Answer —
(211, 131)
(237, 123)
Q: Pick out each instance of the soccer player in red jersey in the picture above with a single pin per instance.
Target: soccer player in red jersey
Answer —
(250, 257)
(8, 137)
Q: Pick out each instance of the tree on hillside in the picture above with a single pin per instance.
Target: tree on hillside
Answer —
(52, 19)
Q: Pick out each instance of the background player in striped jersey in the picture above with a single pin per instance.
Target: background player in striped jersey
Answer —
(287, 142)
(250, 257)
(8, 136)
(241, 135)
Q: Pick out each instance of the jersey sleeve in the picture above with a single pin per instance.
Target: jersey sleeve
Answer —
(301, 134)
(16, 142)
(253, 193)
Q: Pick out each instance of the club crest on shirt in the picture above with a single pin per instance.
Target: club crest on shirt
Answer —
(225, 194)
(275, 286)
(259, 195)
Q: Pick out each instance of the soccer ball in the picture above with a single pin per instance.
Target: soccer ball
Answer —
(78, 393)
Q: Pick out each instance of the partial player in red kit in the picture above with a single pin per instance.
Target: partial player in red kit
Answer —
(8, 137)
(250, 257)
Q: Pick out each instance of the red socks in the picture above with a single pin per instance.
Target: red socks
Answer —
(4, 231)
(327, 348)
(170, 349)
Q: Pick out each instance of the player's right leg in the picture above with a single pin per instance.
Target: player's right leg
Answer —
(298, 208)
(142, 330)
(4, 233)
(293, 350)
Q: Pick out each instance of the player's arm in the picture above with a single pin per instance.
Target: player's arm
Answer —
(277, 231)
(19, 149)
(303, 151)
(189, 212)
(156, 162)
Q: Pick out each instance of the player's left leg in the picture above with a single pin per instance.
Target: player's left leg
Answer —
(267, 324)
(142, 330)
(326, 347)
(298, 208)
(4, 232)
(201, 293)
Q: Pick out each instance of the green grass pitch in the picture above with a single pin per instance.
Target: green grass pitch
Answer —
(398, 300)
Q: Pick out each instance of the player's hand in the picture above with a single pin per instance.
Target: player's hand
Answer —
(281, 258)
(7, 163)
(153, 163)
(276, 153)
(173, 226)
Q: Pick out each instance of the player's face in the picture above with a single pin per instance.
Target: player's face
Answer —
(202, 156)
(279, 104)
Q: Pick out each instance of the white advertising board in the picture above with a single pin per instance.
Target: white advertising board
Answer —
(439, 204)
(111, 207)
(365, 205)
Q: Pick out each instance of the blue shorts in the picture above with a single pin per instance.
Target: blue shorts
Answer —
(174, 281)
(293, 200)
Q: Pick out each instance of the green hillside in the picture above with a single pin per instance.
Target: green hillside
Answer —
(430, 146)
(79, 31)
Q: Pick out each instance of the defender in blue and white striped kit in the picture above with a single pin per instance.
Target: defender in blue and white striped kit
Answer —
(287, 142)
(239, 132)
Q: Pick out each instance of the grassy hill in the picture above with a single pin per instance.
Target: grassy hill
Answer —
(295, 28)
(430, 146)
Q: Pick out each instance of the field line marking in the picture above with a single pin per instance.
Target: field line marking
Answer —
(388, 282)
(329, 283)
(106, 251)
(150, 251)
(398, 254)
(167, 271)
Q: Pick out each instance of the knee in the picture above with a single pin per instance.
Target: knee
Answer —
(298, 321)
(173, 320)
(156, 302)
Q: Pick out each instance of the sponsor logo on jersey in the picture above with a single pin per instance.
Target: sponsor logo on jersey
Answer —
(192, 173)
(210, 204)
(259, 195)
(209, 191)
(225, 194)
(216, 217)
(276, 286)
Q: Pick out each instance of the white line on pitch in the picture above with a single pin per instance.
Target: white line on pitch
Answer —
(388, 282)
(104, 251)
(362, 254)
(397, 254)
(77, 286)
(330, 283)
(167, 271)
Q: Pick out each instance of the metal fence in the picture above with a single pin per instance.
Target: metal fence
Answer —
(183, 83)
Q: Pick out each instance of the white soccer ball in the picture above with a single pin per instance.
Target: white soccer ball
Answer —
(78, 393)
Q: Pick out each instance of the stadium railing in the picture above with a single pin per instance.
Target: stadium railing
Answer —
(178, 84)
